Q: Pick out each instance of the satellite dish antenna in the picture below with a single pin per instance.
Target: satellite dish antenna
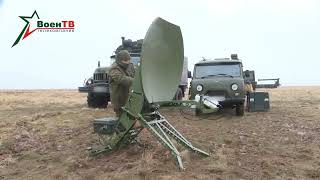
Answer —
(161, 61)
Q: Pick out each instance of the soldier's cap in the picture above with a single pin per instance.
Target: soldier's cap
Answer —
(122, 55)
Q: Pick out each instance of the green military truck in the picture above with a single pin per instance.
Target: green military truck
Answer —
(97, 86)
(251, 79)
(221, 82)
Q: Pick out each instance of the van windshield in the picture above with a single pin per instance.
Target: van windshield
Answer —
(211, 70)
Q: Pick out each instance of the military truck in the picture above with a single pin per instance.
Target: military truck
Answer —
(98, 86)
(250, 78)
(221, 82)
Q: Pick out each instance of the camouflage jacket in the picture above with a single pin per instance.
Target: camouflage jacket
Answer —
(120, 81)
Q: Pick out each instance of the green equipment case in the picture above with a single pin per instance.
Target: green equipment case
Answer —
(258, 101)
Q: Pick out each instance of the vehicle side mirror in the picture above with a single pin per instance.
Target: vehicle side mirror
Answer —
(189, 74)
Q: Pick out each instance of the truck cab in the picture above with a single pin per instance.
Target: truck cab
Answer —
(221, 81)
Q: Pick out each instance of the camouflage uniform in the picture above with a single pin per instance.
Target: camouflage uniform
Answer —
(121, 77)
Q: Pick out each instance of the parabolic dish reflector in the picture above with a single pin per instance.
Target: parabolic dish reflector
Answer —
(161, 61)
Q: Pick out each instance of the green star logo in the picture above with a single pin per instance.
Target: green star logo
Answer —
(26, 30)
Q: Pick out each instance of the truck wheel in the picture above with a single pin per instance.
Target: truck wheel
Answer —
(97, 101)
(179, 94)
(240, 110)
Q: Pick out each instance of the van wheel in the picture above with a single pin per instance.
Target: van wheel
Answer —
(240, 110)
(179, 94)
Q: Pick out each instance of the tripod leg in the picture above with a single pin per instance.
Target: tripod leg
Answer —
(157, 132)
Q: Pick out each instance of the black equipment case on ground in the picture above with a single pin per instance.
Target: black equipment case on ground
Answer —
(258, 101)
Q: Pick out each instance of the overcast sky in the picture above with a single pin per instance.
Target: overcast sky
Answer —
(276, 38)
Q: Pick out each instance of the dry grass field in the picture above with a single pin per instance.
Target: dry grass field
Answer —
(44, 134)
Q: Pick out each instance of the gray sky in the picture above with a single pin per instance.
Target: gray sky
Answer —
(276, 38)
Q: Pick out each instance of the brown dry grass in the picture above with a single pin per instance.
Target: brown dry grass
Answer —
(44, 135)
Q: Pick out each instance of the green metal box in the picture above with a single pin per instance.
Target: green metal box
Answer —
(104, 125)
(258, 101)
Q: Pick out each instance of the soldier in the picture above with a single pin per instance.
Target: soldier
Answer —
(120, 78)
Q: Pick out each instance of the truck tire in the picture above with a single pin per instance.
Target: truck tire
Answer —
(240, 110)
(179, 94)
(97, 101)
